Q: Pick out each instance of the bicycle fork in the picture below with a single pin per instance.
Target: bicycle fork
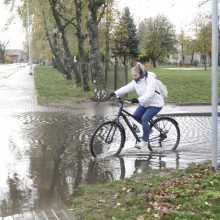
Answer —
(111, 134)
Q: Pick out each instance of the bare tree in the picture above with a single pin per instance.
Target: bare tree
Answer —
(3, 46)
(95, 58)
(80, 32)
(52, 42)
(67, 57)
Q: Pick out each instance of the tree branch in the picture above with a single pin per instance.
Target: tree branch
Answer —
(99, 4)
(203, 2)
(67, 20)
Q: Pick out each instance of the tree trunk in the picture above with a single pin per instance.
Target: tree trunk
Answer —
(107, 50)
(183, 57)
(67, 58)
(81, 38)
(192, 58)
(205, 63)
(95, 59)
(53, 46)
(154, 63)
(116, 74)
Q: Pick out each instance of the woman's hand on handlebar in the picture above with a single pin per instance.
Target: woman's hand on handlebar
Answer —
(112, 95)
(132, 100)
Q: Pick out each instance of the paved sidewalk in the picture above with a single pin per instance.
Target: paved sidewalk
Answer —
(17, 90)
(18, 95)
(47, 214)
(188, 110)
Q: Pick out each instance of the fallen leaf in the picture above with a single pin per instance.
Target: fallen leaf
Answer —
(102, 201)
(148, 210)
(117, 204)
(140, 217)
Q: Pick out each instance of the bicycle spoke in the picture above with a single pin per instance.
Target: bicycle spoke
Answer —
(165, 134)
(107, 140)
(164, 126)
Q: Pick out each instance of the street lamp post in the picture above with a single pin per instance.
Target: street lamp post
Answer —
(215, 84)
(29, 39)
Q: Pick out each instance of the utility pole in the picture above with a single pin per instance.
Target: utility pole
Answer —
(29, 40)
(215, 84)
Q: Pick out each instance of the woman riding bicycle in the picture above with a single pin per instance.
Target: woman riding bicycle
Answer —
(150, 101)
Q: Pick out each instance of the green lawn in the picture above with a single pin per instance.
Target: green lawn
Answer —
(51, 86)
(187, 86)
(166, 194)
(184, 86)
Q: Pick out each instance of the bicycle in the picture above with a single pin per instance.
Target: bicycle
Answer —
(109, 138)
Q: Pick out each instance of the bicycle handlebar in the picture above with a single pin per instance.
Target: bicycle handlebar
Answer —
(122, 101)
(127, 101)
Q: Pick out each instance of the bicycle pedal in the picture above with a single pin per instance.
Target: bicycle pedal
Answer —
(137, 147)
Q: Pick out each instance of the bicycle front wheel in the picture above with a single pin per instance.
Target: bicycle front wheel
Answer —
(164, 134)
(107, 140)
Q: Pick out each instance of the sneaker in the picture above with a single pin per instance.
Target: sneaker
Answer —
(141, 144)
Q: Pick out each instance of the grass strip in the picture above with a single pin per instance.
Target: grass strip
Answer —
(184, 86)
(154, 194)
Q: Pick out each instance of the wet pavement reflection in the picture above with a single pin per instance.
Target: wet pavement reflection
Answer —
(45, 155)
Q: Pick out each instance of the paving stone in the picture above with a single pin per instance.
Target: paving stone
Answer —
(18, 217)
(39, 215)
(7, 218)
(28, 216)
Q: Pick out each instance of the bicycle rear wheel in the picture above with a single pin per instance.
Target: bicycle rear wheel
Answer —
(164, 135)
(107, 140)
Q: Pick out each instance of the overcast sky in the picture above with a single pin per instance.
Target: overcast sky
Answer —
(15, 33)
(179, 12)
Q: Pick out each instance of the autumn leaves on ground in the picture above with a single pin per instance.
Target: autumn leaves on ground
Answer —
(155, 194)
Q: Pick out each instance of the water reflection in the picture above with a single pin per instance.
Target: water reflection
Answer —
(115, 168)
(106, 170)
(46, 155)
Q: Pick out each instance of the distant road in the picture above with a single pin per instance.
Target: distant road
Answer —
(6, 70)
(187, 68)
(17, 89)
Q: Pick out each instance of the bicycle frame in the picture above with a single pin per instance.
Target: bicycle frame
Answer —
(123, 113)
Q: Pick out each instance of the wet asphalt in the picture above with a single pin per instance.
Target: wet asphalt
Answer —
(45, 149)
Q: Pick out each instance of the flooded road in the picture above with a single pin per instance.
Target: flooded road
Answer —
(45, 151)
(45, 155)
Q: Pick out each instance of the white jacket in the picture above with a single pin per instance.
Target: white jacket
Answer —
(145, 89)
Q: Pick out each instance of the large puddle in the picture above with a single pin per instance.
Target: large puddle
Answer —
(45, 155)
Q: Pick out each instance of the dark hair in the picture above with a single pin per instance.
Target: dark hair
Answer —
(145, 59)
